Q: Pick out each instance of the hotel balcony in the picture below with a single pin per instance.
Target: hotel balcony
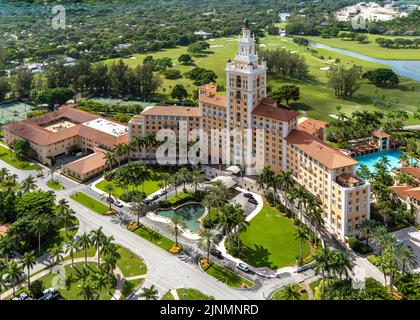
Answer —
(348, 180)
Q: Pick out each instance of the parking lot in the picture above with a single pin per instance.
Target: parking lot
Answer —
(411, 237)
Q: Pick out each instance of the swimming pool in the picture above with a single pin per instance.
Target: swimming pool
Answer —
(370, 159)
(190, 212)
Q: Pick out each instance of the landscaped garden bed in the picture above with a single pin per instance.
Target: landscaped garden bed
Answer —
(224, 275)
(280, 294)
(55, 185)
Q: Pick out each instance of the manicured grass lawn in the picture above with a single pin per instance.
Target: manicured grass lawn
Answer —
(192, 294)
(130, 264)
(371, 49)
(226, 276)
(269, 240)
(59, 239)
(154, 237)
(71, 290)
(90, 203)
(91, 251)
(150, 187)
(9, 157)
(130, 286)
(314, 284)
(55, 185)
(277, 294)
(181, 198)
(168, 296)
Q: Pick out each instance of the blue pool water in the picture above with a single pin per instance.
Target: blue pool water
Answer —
(370, 159)
(190, 212)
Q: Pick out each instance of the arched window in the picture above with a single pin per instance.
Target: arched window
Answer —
(238, 81)
(238, 116)
(258, 82)
(238, 95)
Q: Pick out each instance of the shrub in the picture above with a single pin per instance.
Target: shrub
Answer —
(130, 196)
(133, 226)
(176, 248)
(231, 245)
(36, 288)
(296, 221)
(358, 246)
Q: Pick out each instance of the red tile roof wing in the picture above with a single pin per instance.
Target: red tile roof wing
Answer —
(330, 157)
(172, 111)
(380, 134)
(412, 171)
(214, 100)
(312, 126)
(268, 108)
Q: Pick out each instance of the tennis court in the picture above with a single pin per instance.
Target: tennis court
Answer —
(14, 111)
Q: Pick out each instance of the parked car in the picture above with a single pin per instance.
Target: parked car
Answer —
(216, 253)
(163, 192)
(153, 198)
(242, 266)
(24, 296)
(252, 200)
(219, 237)
(248, 195)
(116, 202)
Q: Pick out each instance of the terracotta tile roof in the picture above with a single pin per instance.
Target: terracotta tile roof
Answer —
(268, 108)
(311, 126)
(406, 191)
(32, 130)
(87, 164)
(330, 157)
(380, 134)
(172, 111)
(412, 171)
(214, 100)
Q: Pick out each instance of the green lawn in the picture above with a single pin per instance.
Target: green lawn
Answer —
(71, 290)
(277, 294)
(317, 98)
(226, 276)
(154, 237)
(130, 264)
(371, 49)
(91, 251)
(9, 157)
(167, 296)
(59, 239)
(192, 294)
(130, 286)
(150, 187)
(269, 240)
(90, 203)
(55, 185)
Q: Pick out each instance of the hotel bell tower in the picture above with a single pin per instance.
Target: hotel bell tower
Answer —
(245, 88)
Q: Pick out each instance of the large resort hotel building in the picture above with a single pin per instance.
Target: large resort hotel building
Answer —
(68, 129)
(288, 146)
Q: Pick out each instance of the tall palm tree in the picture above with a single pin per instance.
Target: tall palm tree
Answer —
(14, 273)
(165, 182)
(72, 247)
(321, 265)
(241, 224)
(96, 238)
(110, 159)
(119, 151)
(38, 227)
(109, 189)
(139, 142)
(197, 179)
(4, 173)
(406, 258)
(366, 227)
(184, 176)
(108, 265)
(174, 182)
(87, 291)
(149, 293)
(177, 226)
(28, 184)
(85, 243)
(301, 235)
(65, 216)
(56, 255)
(100, 280)
(290, 292)
(28, 261)
(137, 207)
(207, 242)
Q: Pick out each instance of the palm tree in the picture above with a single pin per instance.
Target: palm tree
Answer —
(321, 264)
(111, 250)
(87, 291)
(406, 258)
(96, 238)
(72, 247)
(165, 182)
(266, 178)
(177, 226)
(174, 182)
(301, 235)
(379, 236)
(4, 173)
(366, 227)
(110, 159)
(149, 293)
(28, 261)
(119, 151)
(56, 255)
(344, 264)
(109, 189)
(100, 280)
(85, 243)
(14, 273)
(207, 242)
(38, 227)
(316, 220)
(290, 292)
(241, 224)
(108, 265)
(139, 142)
(65, 215)
(137, 207)
(197, 179)
(28, 184)
(184, 176)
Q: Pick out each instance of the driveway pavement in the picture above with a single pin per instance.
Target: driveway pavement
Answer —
(411, 238)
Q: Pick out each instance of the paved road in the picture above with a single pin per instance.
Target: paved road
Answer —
(165, 270)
